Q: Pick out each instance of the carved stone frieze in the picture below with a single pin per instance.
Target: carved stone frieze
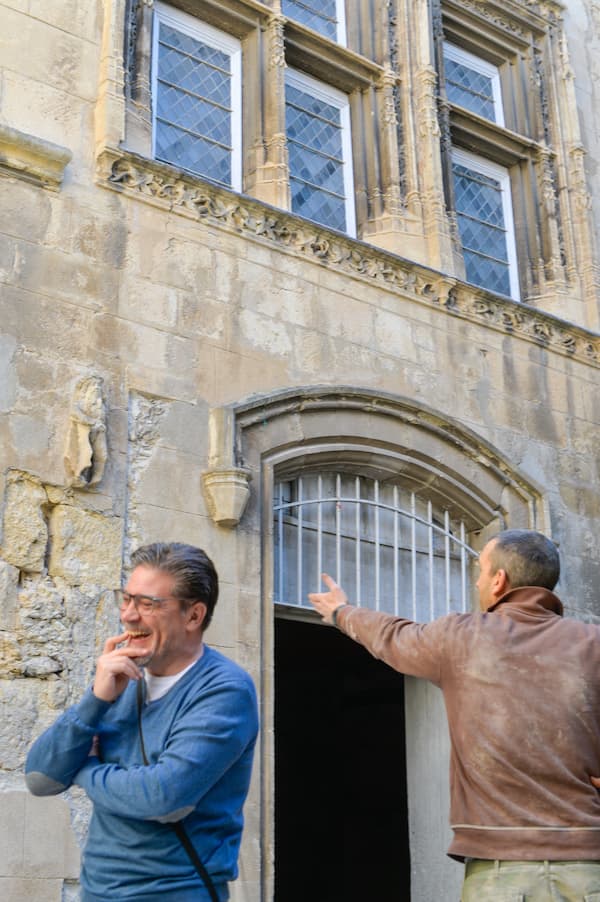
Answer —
(515, 18)
(159, 184)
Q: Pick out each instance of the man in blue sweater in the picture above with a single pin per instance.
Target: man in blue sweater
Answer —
(165, 736)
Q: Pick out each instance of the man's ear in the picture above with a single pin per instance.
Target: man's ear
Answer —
(197, 615)
(500, 583)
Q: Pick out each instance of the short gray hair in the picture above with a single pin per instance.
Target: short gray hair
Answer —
(195, 575)
(528, 557)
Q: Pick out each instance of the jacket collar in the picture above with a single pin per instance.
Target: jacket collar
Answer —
(530, 599)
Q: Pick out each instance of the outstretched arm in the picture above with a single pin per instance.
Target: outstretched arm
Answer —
(411, 648)
(328, 602)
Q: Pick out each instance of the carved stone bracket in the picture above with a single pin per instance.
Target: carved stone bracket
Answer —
(227, 493)
(166, 187)
(226, 486)
(32, 159)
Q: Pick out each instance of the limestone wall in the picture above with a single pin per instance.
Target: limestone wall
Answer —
(128, 313)
(582, 25)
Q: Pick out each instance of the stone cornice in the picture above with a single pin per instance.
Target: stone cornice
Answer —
(32, 159)
(176, 191)
(517, 18)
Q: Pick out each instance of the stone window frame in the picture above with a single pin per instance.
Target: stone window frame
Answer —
(340, 101)
(502, 175)
(519, 42)
(341, 34)
(483, 67)
(188, 25)
(271, 43)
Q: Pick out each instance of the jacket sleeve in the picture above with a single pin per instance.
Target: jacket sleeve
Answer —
(416, 649)
(207, 738)
(57, 755)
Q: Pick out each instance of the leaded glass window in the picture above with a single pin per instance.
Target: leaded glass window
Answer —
(473, 83)
(319, 152)
(388, 547)
(324, 16)
(196, 97)
(484, 214)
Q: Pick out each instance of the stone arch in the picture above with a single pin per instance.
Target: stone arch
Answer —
(386, 435)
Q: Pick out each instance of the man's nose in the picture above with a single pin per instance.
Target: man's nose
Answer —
(129, 611)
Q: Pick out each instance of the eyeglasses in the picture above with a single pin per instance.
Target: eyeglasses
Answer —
(144, 604)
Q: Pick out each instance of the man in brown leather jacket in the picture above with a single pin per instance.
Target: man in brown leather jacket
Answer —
(522, 692)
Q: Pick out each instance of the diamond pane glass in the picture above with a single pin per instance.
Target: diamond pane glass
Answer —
(314, 133)
(470, 89)
(193, 105)
(199, 51)
(318, 206)
(482, 228)
(173, 145)
(319, 15)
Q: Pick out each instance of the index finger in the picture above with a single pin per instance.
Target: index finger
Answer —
(329, 581)
(113, 641)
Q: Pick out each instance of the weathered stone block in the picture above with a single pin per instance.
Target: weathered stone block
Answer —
(20, 705)
(10, 656)
(9, 578)
(8, 382)
(19, 889)
(39, 840)
(85, 547)
(25, 533)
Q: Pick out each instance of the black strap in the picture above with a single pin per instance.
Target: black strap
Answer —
(177, 827)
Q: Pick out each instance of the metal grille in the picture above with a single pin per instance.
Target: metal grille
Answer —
(388, 547)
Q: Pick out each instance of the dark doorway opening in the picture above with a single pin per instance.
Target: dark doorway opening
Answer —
(341, 826)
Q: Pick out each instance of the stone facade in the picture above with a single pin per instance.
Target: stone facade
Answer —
(167, 345)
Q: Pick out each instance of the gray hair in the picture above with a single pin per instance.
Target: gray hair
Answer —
(195, 576)
(528, 557)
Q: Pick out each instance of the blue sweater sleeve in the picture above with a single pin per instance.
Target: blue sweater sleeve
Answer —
(57, 755)
(207, 738)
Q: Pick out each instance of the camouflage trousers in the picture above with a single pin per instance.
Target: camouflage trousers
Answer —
(531, 881)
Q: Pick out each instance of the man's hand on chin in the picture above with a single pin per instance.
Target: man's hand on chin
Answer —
(115, 667)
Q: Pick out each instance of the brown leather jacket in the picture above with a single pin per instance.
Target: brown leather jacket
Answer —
(522, 692)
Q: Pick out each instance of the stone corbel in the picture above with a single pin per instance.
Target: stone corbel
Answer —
(32, 159)
(226, 486)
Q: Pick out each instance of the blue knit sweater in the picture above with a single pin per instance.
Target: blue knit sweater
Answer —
(199, 740)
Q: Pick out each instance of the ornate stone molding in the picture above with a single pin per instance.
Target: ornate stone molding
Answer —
(516, 17)
(166, 187)
(276, 42)
(32, 159)
(302, 421)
